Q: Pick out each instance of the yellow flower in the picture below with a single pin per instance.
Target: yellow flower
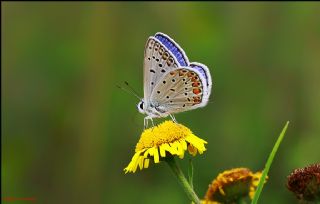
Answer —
(232, 185)
(166, 139)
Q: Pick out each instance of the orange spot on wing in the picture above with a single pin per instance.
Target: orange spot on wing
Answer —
(196, 91)
(194, 79)
(189, 74)
(181, 73)
(196, 84)
(196, 100)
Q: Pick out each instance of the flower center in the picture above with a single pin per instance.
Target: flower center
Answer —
(166, 132)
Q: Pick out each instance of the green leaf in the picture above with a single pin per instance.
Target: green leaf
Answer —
(268, 164)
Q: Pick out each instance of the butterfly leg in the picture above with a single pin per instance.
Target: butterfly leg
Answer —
(173, 118)
(145, 122)
(152, 122)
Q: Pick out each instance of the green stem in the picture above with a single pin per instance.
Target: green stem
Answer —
(182, 179)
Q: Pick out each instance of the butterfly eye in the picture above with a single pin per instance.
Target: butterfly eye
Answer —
(141, 105)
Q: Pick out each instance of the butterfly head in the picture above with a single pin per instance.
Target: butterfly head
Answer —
(141, 107)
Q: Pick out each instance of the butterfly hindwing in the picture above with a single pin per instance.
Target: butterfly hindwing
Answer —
(205, 75)
(180, 90)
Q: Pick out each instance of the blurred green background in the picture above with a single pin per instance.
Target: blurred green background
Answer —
(68, 131)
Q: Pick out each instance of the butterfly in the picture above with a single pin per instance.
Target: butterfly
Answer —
(172, 84)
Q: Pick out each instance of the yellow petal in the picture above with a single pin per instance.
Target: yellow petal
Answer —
(163, 150)
(146, 163)
(156, 155)
(184, 145)
(221, 191)
(141, 160)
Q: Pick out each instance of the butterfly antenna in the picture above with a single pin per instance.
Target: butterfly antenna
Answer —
(129, 91)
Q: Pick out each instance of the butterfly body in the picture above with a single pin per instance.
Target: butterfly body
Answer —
(155, 110)
(171, 83)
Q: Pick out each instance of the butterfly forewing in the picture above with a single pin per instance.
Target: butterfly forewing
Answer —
(174, 48)
(158, 61)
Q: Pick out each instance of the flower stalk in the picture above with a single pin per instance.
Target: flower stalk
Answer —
(182, 179)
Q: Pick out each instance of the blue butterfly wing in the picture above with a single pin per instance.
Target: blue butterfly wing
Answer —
(170, 79)
(174, 48)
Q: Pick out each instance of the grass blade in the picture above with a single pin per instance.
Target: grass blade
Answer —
(268, 164)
